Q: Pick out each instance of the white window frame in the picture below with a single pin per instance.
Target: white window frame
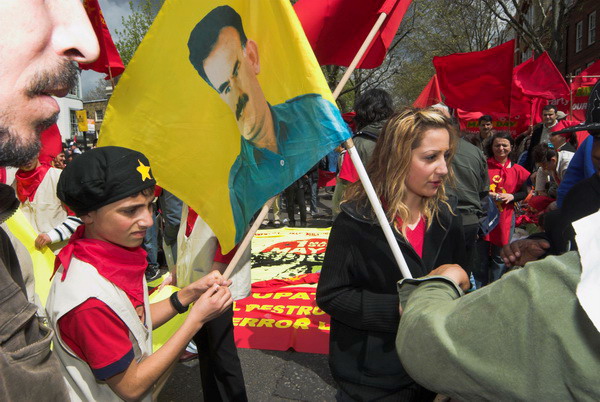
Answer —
(101, 113)
(579, 37)
(592, 28)
(74, 124)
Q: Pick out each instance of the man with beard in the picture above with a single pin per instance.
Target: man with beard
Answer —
(279, 142)
(39, 41)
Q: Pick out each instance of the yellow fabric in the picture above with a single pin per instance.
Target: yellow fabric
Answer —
(164, 332)
(43, 261)
(163, 108)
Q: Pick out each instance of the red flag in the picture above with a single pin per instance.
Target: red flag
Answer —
(540, 78)
(430, 95)
(109, 62)
(51, 144)
(582, 80)
(477, 81)
(336, 29)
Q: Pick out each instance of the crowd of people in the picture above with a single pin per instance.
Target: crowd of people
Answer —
(467, 325)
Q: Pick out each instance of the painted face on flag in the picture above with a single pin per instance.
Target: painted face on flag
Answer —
(231, 70)
(39, 40)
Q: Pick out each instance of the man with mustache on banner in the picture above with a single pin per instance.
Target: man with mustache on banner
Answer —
(275, 138)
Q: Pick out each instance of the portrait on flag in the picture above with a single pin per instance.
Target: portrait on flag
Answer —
(237, 111)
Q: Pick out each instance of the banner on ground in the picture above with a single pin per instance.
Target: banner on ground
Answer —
(229, 104)
(281, 312)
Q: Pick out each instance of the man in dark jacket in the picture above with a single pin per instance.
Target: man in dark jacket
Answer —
(39, 42)
(470, 187)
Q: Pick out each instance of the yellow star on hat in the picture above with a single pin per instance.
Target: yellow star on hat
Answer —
(144, 171)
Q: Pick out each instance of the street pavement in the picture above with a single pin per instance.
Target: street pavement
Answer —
(269, 375)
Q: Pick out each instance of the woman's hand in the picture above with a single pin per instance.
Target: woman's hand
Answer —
(505, 197)
(455, 273)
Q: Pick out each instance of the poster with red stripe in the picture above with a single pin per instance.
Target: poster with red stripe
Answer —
(281, 312)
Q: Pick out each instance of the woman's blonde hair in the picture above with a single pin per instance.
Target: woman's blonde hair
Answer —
(390, 163)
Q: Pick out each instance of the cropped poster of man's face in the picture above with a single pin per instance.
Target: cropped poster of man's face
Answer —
(231, 70)
(248, 113)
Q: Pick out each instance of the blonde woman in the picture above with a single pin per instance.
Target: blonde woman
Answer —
(409, 168)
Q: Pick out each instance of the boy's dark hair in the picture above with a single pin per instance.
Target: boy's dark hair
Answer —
(486, 117)
(549, 107)
(205, 34)
(542, 153)
(372, 106)
(503, 135)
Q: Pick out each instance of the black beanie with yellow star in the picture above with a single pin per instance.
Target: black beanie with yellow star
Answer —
(101, 176)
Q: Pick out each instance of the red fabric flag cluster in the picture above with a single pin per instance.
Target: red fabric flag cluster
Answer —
(584, 79)
(336, 29)
(431, 94)
(540, 78)
(477, 81)
(109, 62)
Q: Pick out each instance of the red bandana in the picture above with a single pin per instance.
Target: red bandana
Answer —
(28, 182)
(122, 266)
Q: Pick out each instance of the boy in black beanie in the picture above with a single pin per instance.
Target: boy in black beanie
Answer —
(98, 302)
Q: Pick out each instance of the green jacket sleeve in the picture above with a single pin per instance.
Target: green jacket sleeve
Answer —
(524, 337)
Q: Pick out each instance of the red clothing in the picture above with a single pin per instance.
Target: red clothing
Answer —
(92, 330)
(98, 337)
(416, 236)
(28, 182)
(507, 178)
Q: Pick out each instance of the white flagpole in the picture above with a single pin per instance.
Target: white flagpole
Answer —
(359, 55)
(362, 173)
(246, 242)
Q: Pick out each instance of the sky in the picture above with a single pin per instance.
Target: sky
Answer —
(113, 11)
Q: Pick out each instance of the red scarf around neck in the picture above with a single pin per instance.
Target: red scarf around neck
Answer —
(28, 182)
(122, 266)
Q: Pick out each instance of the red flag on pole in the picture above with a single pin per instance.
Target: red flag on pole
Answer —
(477, 81)
(541, 79)
(337, 28)
(109, 62)
(430, 95)
(582, 80)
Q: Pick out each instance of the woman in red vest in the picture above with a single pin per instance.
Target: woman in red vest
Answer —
(508, 184)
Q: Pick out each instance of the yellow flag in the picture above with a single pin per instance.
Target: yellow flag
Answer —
(228, 103)
(43, 260)
(82, 120)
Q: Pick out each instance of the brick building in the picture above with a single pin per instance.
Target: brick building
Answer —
(95, 111)
(582, 37)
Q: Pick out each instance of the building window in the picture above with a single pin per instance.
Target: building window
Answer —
(578, 36)
(99, 114)
(592, 28)
(74, 128)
